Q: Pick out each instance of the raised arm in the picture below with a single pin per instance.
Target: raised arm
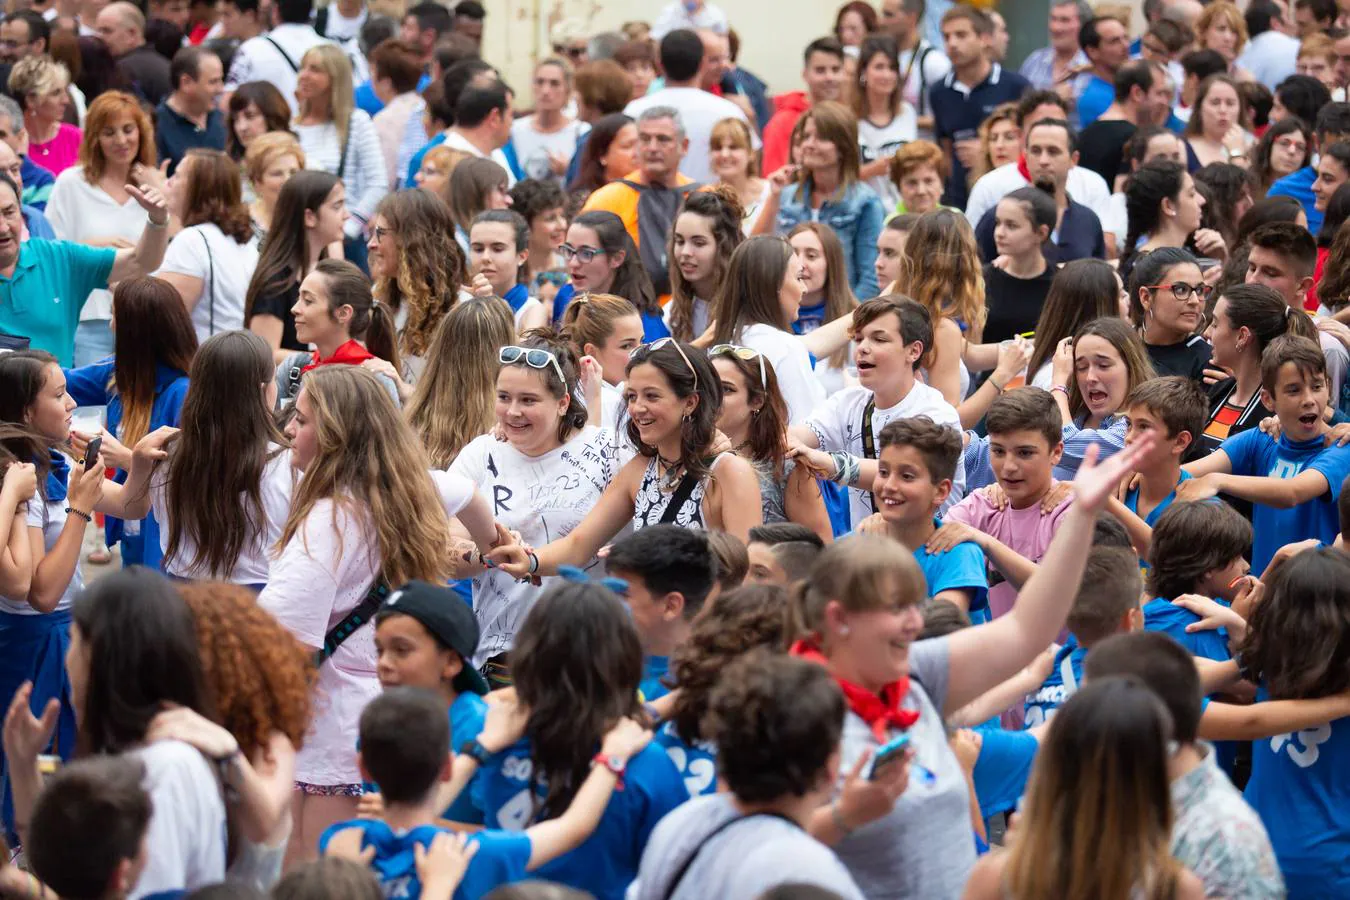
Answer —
(148, 253)
(1234, 722)
(985, 655)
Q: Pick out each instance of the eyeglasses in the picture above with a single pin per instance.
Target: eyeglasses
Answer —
(533, 357)
(570, 52)
(378, 232)
(651, 348)
(745, 353)
(583, 254)
(1183, 291)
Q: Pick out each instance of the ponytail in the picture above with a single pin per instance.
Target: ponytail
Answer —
(1148, 187)
(372, 322)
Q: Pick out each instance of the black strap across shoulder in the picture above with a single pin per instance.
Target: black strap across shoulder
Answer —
(284, 55)
(364, 612)
(869, 441)
(679, 498)
(707, 839)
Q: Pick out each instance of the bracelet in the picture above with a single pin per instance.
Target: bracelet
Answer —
(998, 387)
(837, 818)
(72, 511)
(151, 223)
(1063, 389)
(534, 562)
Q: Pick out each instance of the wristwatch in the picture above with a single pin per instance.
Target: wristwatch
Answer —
(616, 764)
(477, 751)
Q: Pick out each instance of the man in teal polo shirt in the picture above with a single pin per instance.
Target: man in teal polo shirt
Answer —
(43, 284)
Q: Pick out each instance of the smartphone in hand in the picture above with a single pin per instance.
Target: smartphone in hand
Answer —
(91, 452)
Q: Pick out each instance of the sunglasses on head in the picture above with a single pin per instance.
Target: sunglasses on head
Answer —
(1183, 291)
(745, 353)
(651, 348)
(533, 357)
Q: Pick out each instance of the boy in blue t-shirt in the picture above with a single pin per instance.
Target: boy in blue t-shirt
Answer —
(915, 469)
(1293, 482)
(405, 750)
(1107, 604)
(1173, 409)
(424, 638)
(670, 573)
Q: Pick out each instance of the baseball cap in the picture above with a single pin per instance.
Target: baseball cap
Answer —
(442, 612)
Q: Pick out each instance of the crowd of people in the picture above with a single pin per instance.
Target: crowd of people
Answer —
(928, 483)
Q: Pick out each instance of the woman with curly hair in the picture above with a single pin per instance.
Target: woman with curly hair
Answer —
(258, 678)
(418, 267)
(211, 261)
(735, 623)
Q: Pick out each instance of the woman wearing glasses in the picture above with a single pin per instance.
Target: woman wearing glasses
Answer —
(754, 419)
(602, 259)
(1167, 305)
(551, 469)
(677, 478)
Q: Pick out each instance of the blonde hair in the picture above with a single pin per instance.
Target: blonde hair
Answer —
(370, 464)
(1222, 9)
(1318, 44)
(36, 75)
(445, 157)
(941, 269)
(865, 573)
(736, 133)
(339, 70)
(1004, 112)
(267, 149)
(590, 318)
(453, 401)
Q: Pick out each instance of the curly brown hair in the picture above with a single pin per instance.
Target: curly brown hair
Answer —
(738, 621)
(258, 675)
(431, 265)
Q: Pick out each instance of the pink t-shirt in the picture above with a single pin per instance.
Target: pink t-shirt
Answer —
(1028, 531)
(60, 153)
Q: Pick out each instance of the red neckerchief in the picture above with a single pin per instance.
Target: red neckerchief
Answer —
(351, 353)
(878, 712)
(1022, 168)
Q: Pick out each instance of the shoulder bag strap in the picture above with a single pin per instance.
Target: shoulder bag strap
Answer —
(869, 442)
(679, 498)
(294, 372)
(346, 145)
(284, 55)
(363, 613)
(211, 284)
(688, 861)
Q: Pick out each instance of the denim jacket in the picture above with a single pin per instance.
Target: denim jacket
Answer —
(856, 219)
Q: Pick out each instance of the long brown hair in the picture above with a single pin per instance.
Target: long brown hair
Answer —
(369, 463)
(1100, 781)
(722, 208)
(468, 186)
(835, 123)
(941, 268)
(749, 294)
(590, 318)
(431, 265)
(1083, 290)
(767, 440)
(839, 298)
(372, 323)
(212, 193)
(1118, 333)
(283, 256)
(453, 401)
(215, 470)
(153, 329)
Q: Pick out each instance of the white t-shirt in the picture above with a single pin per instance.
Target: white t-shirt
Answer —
(322, 574)
(51, 518)
(791, 362)
(699, 320)
(278, 483)
(838, 426)
(340, 28)
(543, 498)
(674, 16)
(534, 146)
(1117, 220)
(881, 142)
(933, 67)
(225, 268)
(456, 141)
(186, 839)
(699, 112)
(83, 212)
(258, 59)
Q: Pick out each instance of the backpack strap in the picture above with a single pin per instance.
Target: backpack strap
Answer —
(284, 55)
(365, 610)
(679, 498)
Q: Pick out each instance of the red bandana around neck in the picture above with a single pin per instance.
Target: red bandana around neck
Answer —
(1022, 168)
(878, 711)
(350, 353)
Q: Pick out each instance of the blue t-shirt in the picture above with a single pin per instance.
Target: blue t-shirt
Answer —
(1098, 94)
(696, 762)
(1298, 787)
(654, 669)
(500, 859)
(1003, 767)
(51, 282)
(1132, 504)
(607, 862)
(960, 568)
(1299, 186)
(1254, 453)
(467, 715)
(1163, 615)
(1059, 686)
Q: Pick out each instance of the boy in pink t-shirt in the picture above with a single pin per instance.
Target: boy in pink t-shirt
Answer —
(1024, 446)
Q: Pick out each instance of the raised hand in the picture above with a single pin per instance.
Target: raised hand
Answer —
(505, 722)
(25, 734)
(20, 481)
(1095, 481)
(152, 201)
(190, 727)
(85, 486)
(626, 739)
(150, 448)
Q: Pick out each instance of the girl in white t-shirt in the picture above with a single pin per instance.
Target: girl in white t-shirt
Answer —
(222, 496)
(133, 652)
(366, 512)
(211, 261)
(607, 328)
(758, 303)
(885, 121)
(550, 470)
(706, 232)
